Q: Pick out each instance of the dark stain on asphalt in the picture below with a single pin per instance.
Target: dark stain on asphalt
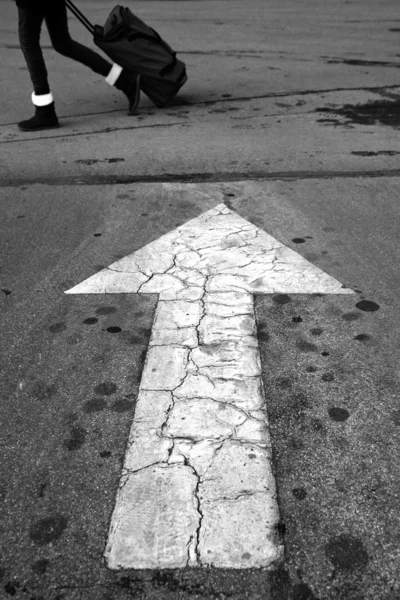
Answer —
(105, 454)
(317, 331)
(48, 530)
(42, 391)
(122, 406)
(367, 306)
(324, 353)
(95, 405)
(281, 529)
(396, 417)
(167, 580)
(346, 553)
(76, 438)
(114, 329)
(329, 121)
(351, 316)
(298, 240)
(5, 291)
(133, 584)
(362, 337)
(142, 359)
(355, 62)
(228, 203)
(338, 414)
(42, 489)
(58, 327)
(93, 161)
(11, 588)
(281, 299)
(306, 346)
(224, 110)
(284, 383)
(90, 321)
(299, 493)
(40, 566)
(86, 161)
(280, 584)
(106, 310)
(262, 335)
(380, 153)
(381, 112)
(311, 369)
(328, 376)
(106, 388)
(301, 591)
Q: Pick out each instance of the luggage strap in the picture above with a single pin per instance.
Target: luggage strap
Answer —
(80, 16)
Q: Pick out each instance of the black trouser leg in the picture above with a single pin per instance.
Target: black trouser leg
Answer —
(29, 27)
(57, 25)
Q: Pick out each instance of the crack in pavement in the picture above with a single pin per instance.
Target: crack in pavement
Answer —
(203, 177)
(200, 434)
(197, 486)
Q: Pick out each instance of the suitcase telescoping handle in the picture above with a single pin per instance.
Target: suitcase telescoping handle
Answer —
(80, 16)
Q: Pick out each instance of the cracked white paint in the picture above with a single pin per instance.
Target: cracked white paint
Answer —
(197, 487)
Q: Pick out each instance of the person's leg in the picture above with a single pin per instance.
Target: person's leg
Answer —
(29, 27)
(57, 25)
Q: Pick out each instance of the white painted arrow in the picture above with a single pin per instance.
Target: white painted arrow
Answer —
(197, 487)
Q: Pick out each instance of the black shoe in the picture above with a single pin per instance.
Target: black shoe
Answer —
(129, 83)
(44, 118)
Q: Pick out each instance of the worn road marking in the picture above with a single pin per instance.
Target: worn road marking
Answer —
(197, 487)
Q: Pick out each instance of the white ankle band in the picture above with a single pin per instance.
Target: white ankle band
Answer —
(113, 75)
(42, 99)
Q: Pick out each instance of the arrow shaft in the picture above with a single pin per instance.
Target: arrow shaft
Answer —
(197, 487)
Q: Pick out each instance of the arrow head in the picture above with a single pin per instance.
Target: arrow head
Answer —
(217, 251)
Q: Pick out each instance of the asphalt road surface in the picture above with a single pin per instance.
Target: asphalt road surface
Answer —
(290, 119)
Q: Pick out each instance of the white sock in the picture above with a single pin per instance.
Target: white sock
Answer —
(113, 75)
(42, 99)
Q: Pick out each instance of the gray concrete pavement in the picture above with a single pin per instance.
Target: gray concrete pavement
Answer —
(276, 122)
(258, 72)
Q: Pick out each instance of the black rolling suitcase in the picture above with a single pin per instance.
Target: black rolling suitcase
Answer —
(133, 45)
